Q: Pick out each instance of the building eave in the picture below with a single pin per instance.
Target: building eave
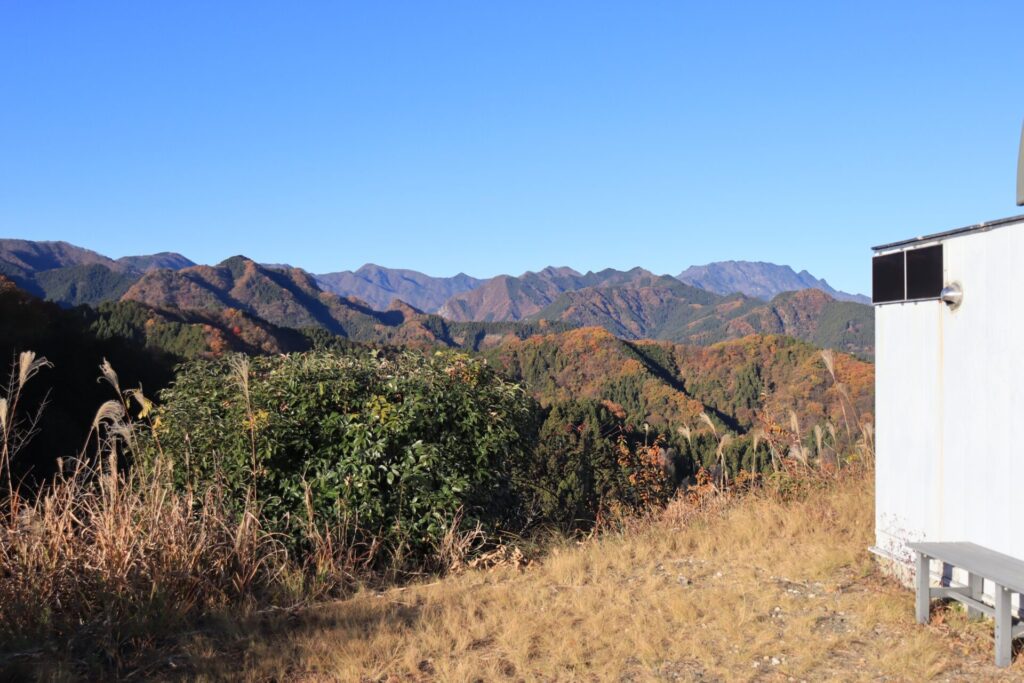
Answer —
(956, 232)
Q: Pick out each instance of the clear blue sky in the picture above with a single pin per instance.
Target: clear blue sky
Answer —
(500, 137)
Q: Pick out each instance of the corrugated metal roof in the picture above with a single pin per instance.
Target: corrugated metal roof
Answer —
(980, 227)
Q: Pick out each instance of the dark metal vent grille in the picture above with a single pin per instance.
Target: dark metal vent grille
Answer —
(910, 275)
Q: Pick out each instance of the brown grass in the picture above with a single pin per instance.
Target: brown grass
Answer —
(749, 589)
(100, 557)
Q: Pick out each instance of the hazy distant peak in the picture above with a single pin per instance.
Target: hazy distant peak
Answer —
(32, 256)
(758, 279)
(378, 286)
(165, 259)
(562, 271)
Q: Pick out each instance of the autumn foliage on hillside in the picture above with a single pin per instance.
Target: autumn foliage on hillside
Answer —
(672, 384)
(666, 309)
(709, 405)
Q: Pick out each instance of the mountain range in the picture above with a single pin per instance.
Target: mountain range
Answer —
(70, 275)
(759, 280)
(513, 298)
(379, 286)
(290, 299)
(718, 302)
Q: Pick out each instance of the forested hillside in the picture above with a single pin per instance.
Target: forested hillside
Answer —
(70, 275)
(669, 385)
(629, 384)
(664, 308)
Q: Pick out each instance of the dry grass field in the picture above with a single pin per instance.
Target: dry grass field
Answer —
(756, 589)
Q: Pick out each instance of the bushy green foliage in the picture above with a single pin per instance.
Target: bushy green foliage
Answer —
(394, 445)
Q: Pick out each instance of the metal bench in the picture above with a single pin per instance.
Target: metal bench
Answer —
(1007, 573)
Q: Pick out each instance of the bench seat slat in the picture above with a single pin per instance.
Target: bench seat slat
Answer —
(1002, 569)
(957, 594)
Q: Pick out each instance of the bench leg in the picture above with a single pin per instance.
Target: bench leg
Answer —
(1004, 627)
(921, 593)
(976, 590)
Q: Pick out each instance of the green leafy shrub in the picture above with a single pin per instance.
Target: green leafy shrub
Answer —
(392, 445)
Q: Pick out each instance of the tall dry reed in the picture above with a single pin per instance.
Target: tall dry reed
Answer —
(101, 553)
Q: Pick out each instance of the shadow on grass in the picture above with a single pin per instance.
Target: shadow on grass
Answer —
(213, 648)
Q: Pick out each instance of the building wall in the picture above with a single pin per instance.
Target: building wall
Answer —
(950, 404)
(909, 466)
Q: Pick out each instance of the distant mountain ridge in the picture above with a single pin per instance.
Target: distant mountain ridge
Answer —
(514, 298)
(702, 305)
(759, 279)
(148, 262)
(30, 257)
(292, 299)
(289, 298)
(71, 275)
(507, 297)
(379, 286)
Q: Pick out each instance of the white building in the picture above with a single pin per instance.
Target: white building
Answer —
(949, 383)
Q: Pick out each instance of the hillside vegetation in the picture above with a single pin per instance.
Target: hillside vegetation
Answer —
(753, 588)
(584, 376)
(664, 308)
(757, 381)
(71, 393)
(282, 480)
